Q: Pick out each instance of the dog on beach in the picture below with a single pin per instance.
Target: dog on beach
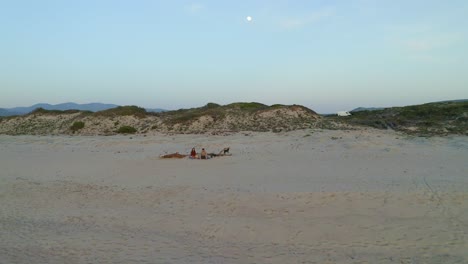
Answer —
(226, 150)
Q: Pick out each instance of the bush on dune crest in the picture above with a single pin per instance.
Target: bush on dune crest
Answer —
(123, 111)
(247, 106)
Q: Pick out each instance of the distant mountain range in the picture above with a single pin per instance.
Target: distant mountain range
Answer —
(93, 107)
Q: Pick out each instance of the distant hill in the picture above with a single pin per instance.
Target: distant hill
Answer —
(359, 109)
(6, 112)
(155, 110)
(3, 112)
(366, 109)
(453, 101)
(441, 118)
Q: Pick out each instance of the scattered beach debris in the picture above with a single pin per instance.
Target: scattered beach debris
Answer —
(173, 156)
(222, 153)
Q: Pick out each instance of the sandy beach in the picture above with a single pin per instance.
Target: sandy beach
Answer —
(362, 196)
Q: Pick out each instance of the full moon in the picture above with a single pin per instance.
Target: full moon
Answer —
(249, 18)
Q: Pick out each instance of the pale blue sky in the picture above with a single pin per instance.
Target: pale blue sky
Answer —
(327, 55)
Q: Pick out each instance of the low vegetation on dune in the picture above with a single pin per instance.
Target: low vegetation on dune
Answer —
(126, 130)
(213, 110)
(426, 119)
(240, 116)
(131, 110)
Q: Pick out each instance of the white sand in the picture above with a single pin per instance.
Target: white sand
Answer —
(366, 197)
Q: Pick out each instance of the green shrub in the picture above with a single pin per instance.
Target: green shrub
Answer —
(126, 130)
(77, 126)
(211, 105)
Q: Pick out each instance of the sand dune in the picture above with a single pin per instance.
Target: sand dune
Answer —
(299, 197)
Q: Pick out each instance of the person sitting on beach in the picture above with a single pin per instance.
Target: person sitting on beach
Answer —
(193, 154)
(203, 154)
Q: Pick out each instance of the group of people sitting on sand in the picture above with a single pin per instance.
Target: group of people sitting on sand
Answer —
(194, 155)
(204, 155)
